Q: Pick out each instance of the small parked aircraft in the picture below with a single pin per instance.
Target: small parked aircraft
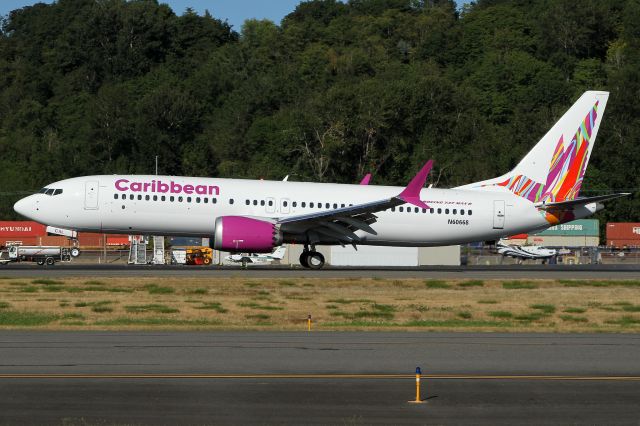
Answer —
(246, 258)
(527, 252)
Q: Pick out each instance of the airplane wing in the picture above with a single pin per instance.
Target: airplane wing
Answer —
(340, 224)
(561, 205)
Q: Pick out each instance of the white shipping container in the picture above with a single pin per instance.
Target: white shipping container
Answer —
(374, 256)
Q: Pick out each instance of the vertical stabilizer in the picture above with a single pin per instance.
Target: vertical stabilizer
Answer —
(553, 170)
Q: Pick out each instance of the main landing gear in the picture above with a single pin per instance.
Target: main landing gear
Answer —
(311, 258)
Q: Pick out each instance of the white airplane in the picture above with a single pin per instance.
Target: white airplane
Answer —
(525, 252)
(246, 258)
(255, 216)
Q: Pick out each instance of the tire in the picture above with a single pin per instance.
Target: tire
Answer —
(304, 259)
(50, 261)
(75, 252)
(40, 262)
(315, 260)
(206, 261)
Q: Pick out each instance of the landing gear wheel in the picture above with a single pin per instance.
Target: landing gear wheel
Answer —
(75, 252)
(50, 261)
(304, 259)
(315, 260)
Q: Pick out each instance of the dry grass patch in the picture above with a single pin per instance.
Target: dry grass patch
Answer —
(409, 304)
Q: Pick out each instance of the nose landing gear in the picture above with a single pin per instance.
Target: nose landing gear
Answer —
(311, 258)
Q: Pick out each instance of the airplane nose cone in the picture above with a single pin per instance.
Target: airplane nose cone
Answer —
(23, 207)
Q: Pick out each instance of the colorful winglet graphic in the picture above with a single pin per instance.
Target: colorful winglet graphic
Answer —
(366, 179)
(411, 194)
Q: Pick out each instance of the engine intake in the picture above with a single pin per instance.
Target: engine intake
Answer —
(245, 234)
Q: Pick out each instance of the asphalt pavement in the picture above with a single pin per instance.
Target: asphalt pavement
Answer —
(317, 378)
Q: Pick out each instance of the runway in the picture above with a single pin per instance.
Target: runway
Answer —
(317, 378)
(431, 272)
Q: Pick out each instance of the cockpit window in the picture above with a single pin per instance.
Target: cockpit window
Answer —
(43, 190)
(57, 192)
(49, 191)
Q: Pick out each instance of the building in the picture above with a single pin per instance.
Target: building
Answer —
(578, 233)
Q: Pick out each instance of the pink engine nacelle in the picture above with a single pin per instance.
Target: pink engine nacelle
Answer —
(245, 234)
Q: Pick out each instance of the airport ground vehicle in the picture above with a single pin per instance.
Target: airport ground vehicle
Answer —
(192, 256)
(42, 255)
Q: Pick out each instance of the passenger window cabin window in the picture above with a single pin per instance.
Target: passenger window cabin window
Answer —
(270, 203)
(255, 202)
(247, 202)
(124, 196)
(335, 206)
(432, 210)
(285, 204)
(462, 212)
(424, 210)
(214, 200)
(327, 205)
(179, 199)
(393, 209)
(446, 211)
(303, 204)
(131, 197)
(163, 198)
(415, 209)
(139, 197)
(188, 199)
(155, 198)
(146, 197)
(230, 200)
(311, 205)
(262, 203)
(205, 200)
(294, 204)
(455, 211)
(439, 211)
(469, 212)
(342, 206)
(115, 196)
(400, 209)
(172, 198)
(197, 199)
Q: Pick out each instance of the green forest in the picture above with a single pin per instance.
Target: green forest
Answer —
(336, 90)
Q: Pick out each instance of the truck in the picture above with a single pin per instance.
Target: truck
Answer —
(42, 255)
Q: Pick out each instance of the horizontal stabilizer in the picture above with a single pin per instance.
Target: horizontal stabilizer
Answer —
(580, 201)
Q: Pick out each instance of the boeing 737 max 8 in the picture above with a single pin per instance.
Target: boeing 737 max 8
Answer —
(256, 216)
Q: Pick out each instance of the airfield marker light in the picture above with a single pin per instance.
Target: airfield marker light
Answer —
(309, 322)
(418, 375)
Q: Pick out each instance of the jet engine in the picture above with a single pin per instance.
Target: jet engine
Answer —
(245, 234)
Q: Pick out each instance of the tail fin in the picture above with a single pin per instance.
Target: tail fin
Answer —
(279, 253)
(553, 170)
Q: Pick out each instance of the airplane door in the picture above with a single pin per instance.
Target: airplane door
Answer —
(271, 205)
(284, 205)
(91, 195)
(498, 214)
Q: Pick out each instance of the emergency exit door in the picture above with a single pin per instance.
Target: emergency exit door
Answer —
(498, 214)
(91, 195)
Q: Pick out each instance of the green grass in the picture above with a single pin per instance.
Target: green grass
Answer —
(101, 309)
(259, 317)
(471, 283)
(29, 289)
(124, 321)
(72, 315)
(488, 301)
(631, 308)
(54, 288)
(287, 283)
(254, 305)
(436, 284)
(500, 314)
(331, 306)
(624, 321)
(575, 310)
(251, 284)
(4, 305)
(156, 289)
(533, 316)
(464, 315)
(600, 283)
(46, 282)
(26, 319)
(547, 309)
(93, 282)
(361, 323)
(573, 318)
(519, 285)
(349, 301)
(214, 306)
(198, 291)
(153, 307)
(456, 323)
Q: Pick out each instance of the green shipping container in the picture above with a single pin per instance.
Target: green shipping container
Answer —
(581, 227)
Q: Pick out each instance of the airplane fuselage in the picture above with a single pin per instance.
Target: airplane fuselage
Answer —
(189, 206)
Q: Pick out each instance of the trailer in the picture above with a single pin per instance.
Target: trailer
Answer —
(42, 255)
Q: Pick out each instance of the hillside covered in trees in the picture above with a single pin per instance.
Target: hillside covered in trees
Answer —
(334, 91)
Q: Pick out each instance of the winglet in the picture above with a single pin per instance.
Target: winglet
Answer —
(366, 179)
(411, 194)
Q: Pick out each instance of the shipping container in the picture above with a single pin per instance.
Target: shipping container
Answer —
(117, 240)
(21, 229)
(620, 243)
(623, 231)
(582, 227)
(563, 241)
(25, 241)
